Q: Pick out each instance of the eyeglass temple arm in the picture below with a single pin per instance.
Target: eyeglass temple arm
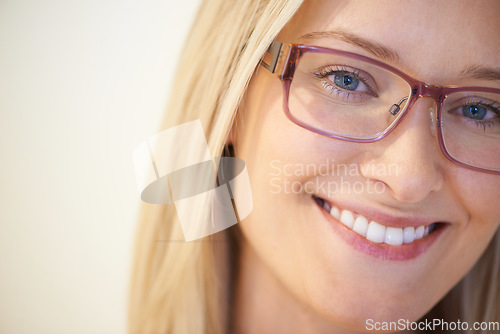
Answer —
(274, 51)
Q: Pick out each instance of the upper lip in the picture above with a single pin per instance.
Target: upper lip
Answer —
(384, 218)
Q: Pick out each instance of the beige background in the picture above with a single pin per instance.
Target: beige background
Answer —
(82, 83)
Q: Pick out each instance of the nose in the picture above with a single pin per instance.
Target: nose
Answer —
(408, 161)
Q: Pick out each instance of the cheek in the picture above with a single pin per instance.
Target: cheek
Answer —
(284, 227)
(265, 134)
(278, 153)
(478, 194)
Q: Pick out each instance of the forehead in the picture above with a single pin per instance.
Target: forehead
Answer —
(434, 39)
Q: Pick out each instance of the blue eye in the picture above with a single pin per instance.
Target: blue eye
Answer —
(346, 81)
(474, 111)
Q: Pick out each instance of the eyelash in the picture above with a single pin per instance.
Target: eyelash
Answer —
(491, 105)
(488, 104)
(331, 70)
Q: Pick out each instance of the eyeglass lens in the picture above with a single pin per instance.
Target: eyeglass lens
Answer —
(355, 99)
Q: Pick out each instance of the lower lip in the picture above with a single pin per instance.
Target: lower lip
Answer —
(383, 251)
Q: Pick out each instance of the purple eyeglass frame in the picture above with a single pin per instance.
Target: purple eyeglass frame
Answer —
(286, 56)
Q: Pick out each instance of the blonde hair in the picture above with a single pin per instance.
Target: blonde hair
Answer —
(179, 287)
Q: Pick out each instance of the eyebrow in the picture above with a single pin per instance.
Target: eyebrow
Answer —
(391, 55)
(480, 72)
(374, 48)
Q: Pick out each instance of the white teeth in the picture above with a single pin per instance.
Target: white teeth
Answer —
(419, 232)
(335, 212)
(379, 233)
(360, 226)
(347, 218)
(394, 236)
(375, 232)
(408, 234)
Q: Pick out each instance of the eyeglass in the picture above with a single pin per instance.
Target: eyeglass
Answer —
(351, 97)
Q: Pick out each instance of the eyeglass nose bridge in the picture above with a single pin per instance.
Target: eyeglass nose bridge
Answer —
(432, 91)
(421, 89)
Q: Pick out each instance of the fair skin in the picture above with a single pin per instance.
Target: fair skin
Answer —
(298, 271)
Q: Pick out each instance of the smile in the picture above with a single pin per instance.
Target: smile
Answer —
(381, 240)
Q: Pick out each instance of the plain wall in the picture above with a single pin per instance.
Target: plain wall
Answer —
(82, 83)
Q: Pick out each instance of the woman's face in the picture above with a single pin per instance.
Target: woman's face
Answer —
(402, 181)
